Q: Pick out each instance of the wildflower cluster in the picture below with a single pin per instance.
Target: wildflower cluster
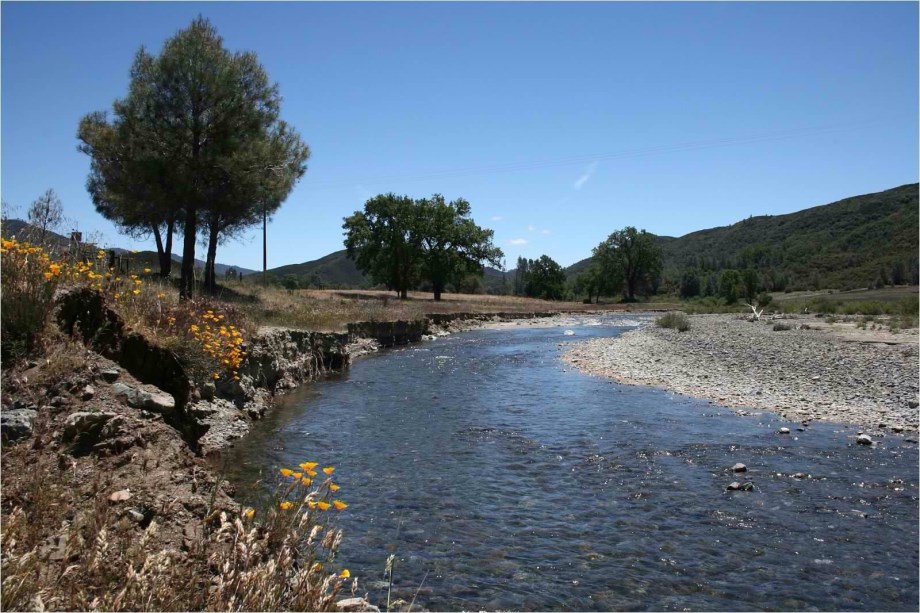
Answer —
(319, 498)
(91, 273)
(219, 340)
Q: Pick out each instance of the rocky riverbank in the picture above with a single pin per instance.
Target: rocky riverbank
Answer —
(802, 373)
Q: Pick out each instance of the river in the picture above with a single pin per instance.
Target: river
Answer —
(506, 480)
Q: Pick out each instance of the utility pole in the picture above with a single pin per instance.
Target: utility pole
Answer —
(264, 242)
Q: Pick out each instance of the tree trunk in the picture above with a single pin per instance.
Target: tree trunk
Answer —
(159, 242)
(403, 293)
(187, 282)
(166, 262)
(210, 280)
(437, 287)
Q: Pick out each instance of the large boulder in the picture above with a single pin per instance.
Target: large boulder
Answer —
(16, 424)
(158, 402)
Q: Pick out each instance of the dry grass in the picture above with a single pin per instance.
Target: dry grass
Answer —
(63, 553)
(331, 310)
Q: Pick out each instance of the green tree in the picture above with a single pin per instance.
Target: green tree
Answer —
(200, 128)
(383, 241)
(452, 245)
(520, 276)
(689, 284)
(730, 285)
(127, 183)
(632, 255)
(607, 269)
(546, 279)
(750, 282)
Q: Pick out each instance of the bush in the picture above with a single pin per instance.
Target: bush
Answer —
(27, 289)
(781, 327)
(677, 321)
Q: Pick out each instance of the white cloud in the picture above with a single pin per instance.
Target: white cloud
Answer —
(497, 218)
(580, 182)
(531, 228)
(545, 232)
(518, 241)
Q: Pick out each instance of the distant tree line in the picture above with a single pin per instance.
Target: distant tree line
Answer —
(403, 243)
(196, 147)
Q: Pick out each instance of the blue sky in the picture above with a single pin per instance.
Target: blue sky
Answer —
(558, 122)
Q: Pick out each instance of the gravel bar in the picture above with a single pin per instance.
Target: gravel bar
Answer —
(802, 374)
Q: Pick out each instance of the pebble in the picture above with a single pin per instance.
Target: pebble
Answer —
(739, 468)
(88, 393)
(726, 360)
(744, 487)
(784, 430)
(864, 439)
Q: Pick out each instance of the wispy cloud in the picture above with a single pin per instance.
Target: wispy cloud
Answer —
(497, 218)
(531, 228)
(545, 232)
(518, 241)
(580, 182)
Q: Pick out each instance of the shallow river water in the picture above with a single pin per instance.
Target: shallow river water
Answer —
(507, 480)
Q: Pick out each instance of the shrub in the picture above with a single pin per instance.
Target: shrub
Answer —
(29, 281)
(676, 320)
(781, 326)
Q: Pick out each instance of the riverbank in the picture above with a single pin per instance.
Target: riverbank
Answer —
(805, 373)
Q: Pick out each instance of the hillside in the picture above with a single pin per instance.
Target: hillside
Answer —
(333, 270)
(841, 245)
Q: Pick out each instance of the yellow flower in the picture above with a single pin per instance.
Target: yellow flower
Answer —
(339, 505)
(297, 475)
(311, 504)
(333, 487)
(308, 465)
(345, 574)
(287, 472)
(306, 481)
(47, 276)
(323, 506)
(135, 291)
(317, 567)
(312, 473)
(286, 505)
(329, 469)
(249, 513)
(147, 270)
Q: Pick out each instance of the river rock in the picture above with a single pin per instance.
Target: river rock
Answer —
(86, 429)
(913, 404)
(784, 430)
(159, 402)
(88, 393)
(864, 439)
(356, 605)
(16, 424)
(109, 375)
(734, 485)
(739, 468)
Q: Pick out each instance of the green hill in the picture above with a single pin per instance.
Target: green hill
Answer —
(846, 244)
(334, 270)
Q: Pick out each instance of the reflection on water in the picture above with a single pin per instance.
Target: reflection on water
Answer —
(516, 483)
